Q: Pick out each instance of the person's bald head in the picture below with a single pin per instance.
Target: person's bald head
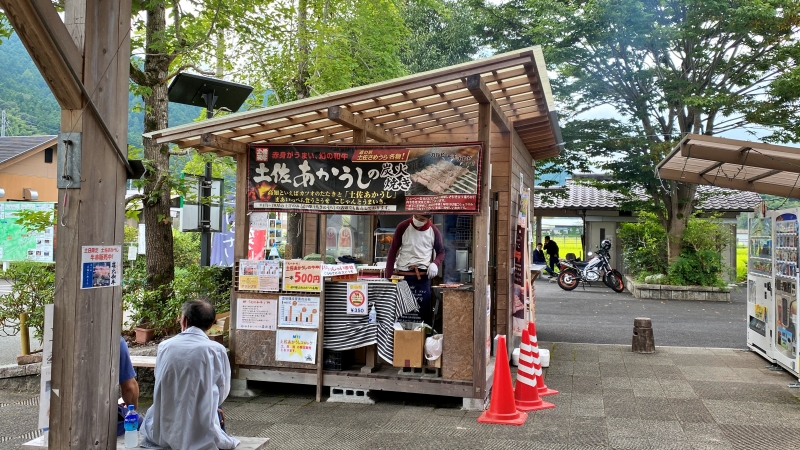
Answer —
(198, 313)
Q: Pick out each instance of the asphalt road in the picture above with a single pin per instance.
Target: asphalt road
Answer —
(598, 315)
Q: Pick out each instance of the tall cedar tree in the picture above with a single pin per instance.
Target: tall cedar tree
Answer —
(667, 68)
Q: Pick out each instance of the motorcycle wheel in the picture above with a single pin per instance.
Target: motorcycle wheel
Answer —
(567, 280)
(615, 281)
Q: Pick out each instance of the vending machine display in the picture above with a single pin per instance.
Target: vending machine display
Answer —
(760, 291)
(785, 317)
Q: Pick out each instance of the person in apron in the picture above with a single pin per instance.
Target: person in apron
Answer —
(417, 253)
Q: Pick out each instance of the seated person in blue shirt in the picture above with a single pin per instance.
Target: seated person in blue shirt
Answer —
(128, 387)
(538, 258)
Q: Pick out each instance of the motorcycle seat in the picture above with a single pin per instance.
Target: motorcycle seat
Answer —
(580, 264)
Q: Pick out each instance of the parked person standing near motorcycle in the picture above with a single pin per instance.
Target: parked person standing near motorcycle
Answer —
(538, 258)
(551, 248)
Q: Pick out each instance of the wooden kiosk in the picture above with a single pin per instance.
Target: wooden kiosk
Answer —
(503, 104)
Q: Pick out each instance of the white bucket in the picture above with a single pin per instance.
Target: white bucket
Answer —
(544, 357)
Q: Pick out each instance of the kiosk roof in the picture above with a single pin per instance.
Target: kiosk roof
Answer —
(399, 110)
(734, 164)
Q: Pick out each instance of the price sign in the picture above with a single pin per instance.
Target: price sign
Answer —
(357, 299)
(302, 276)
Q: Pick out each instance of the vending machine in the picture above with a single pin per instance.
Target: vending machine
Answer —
(760, 299)
(785, 319)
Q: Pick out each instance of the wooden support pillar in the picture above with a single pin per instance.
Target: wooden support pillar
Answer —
(87, 56)
(481, 239)
(241, 242)
(359, 136)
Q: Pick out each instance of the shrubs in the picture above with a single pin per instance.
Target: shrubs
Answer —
(191, 282)
(644, 248)
(32, 287)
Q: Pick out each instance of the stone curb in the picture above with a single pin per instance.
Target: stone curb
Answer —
(684, 293)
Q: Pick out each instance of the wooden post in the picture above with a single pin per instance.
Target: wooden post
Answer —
(86, 64)
(323, 225)
(481, 242)
(241, 241)
(24, 338)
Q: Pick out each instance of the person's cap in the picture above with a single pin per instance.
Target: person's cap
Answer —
(425, 214)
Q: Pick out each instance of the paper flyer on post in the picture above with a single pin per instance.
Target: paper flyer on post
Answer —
(298, 312)
(256, 314)
(101, 266)
(296, 346)
(269, 276)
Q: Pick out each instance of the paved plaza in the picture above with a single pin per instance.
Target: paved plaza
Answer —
(677, 398)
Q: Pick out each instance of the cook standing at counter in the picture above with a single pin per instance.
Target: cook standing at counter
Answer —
(416, 253)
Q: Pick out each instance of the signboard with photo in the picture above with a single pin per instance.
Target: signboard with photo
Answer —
(365, 179)
(101, 266)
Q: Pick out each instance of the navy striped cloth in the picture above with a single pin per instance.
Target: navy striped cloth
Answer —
(345, 332)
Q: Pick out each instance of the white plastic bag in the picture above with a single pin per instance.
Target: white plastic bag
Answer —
(433, 347)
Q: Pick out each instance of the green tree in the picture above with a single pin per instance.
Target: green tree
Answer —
(175, 36)
(667, 68)
(319, 46)
(441, 34)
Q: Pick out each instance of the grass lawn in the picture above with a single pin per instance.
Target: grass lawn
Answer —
(741, 262)
(569, 244)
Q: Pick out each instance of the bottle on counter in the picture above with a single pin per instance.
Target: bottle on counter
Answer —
(373, 316)
(131, 428)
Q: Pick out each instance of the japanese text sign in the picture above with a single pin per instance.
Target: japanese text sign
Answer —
(357, 299)
(101, 266)
(334, 270)
(256, 314)
(302, 276)
(300, 312)
(296, 346)
(365, 179)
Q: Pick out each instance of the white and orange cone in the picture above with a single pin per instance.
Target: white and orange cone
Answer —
(537, 365)
(526, 392)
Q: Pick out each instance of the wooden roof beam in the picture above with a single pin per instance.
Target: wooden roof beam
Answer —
(482, 94)
(51, 47)
(223, 144)
(344, 117)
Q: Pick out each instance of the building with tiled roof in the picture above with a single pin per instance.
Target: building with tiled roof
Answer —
(581, 196)
(601, 215)
(28, 168)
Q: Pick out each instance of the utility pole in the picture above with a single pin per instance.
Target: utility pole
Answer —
(85, 60)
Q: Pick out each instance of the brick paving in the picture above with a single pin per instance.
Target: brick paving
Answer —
(610, 398)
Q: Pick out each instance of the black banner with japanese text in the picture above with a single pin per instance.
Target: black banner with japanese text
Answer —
(384, 179)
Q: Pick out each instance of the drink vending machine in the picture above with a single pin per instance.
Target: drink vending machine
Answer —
(772, 295)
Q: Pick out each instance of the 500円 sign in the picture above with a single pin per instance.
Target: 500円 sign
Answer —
(365, 179)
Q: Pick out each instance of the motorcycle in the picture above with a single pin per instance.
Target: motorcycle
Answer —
(599, 267)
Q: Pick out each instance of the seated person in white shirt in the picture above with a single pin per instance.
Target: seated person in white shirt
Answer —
(192, 380)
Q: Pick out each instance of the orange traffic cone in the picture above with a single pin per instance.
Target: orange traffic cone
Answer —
(502, 409)
(537, 365)
(526, 394)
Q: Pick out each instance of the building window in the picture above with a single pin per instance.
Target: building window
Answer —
(48, 155)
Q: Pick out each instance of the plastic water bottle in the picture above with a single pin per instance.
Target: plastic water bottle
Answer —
(131, 428)
(373, 316)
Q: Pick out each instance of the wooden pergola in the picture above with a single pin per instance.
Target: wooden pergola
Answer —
(734, 164)
(407, 109)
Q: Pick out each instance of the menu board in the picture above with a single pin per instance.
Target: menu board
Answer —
(302, 276)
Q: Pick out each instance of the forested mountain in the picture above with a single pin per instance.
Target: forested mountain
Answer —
(32, 109)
